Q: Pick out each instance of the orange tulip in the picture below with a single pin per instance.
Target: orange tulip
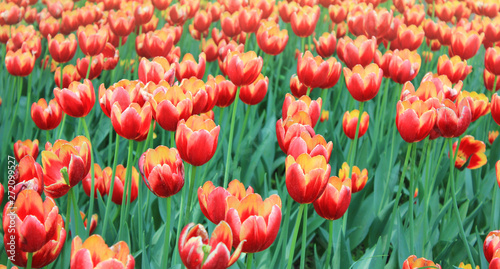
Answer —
(413, 263)
(92, 40)
(270, 38)
(455, 69)
(465, 44)
(316, 73)
(350, 121)
(415, 120)
(11, 13)
(188, 67)
(204, 96)
(478, 103)
(306, 177)
(304, 20)
(46, 117)
(359, 51)
(24, 148)
(333, 203)
(243, 68)
(132, 121)
(124, 92)
(94, 252)
(196, 139)
(326, 44)
(404, 65)
(363, 83)
(19, 63)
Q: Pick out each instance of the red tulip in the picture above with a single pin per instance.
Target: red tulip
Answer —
(77, 100)
(132, 121)
(62, 49)
(124, 92)
(70, 74)
(311, 144)
(24, 148)
(101, 177)
(359, 51)
(326, 44)
(96, 66)
(292, 127)
(453, 119)
(363, 83)
(470, 150)
(95, 253)
(465, 44)
(404, 65)
(304, 20)
(304, 103)
(119, 182)
(196, 139)
(28, 174)
(358, 177)
(188, 67)
(204, 96)
(46, 117)
(230, 24)
(243, 68)
(492, 60)
(350, 122)
(121, 23)
(270, 38)
(455, 69)
(156, 70)
(316, 73)
(478, 103)
(415, 120)
(495, 108)
(92, 40)
(254, 93)
(413, 263)
(333, 203)
(19, 63)
(491, 244)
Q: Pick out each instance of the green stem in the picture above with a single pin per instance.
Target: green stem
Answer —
(231, 135)
(172, 139)
(330, 243)
(75, 210)
(111, 187)
(458, 218)
(47, 135)
(110, 142)
(30, 260)
(304, 239)
(396, 202)
(294, 238)
(92, 174)
(388, 178)
(20, 90)
(68, 212)
(308, 91)
(28, 107)
(283, 235)
(192, 178)
(62, 127)
(249, 260)
(88, 69)
(356, 138)
(166, 246)
(428, 191)
(245, 121)
(411, 198)
(179, 223)
(126, 195)
(62, 76)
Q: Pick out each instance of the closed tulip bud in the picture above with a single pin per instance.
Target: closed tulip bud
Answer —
(453, 119)
(70, 74)
(325, 115)
(62, 49)
(46, 117)
(350, 121)
(143, 13)
(249, 19)
(24, 148)
(286, 9)
(95, 253)
(489, 80)
(188, 67)
(170, 105)
(326, 44)
(492, 136)
(415, 120)
(49, 27)
(101, 177)
(230, 24)
(198, 251)
(19, 63)
(404, 65)
(121, 23)
(335, 200)
(291, 127)
(455, 69)
(492, 60)
(65, 164)
(271, 39)
(359, 51)
(243, 68)
(304, 103)
(376, 23)
(28, 175)
(96, 66)
(306, 177)
(39, 229)
(77, 100)
(478, 103)
(92, 40)
(465, 44)
(204, 96)
(156, 70)
(363, 83)
(491, 244)
(338, 12)
(413, 263)
(93, 222)
(124, 92)
(297, 88)
(470, 151)
(132, 121)
(358, 177)
(316, 73)
(410, 38)
(414, 16)
(304, 20)
(495, 108)
(254, 93)
(313, 145)
(196, 139)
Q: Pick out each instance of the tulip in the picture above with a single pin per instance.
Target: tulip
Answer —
(156, 43)
(455, 69)
(356, 21)
(95, 253)
(404, 65)
(414, 15)
(143, 13)
(93, 222)
(492, 60)
(254, 93)
(311, 144)
(358, 177)
(230, 24)
(490, 81)
(28, 174)
(492, 136)
(413, 263)
(162, 171)
(376, 23)
(11, 14)
(410, 38)
(443, 85)
(478, 103)
(292, 127)
(198, 251)
(495, 108)
(491, 244)
(363, 83)
(24, 148)
(156, 70)
(77, 100)
(453, 119)
(326, 44)
(286, 9)
(471, 151)
(270, 38)
(335, 200)
(96, 66)
(119, 185)
(306, 177)
(304, 20)
(132, 121)
(202, 21)
(210, 49)
(415, 120)
(204, 96)
(65, 164)
(101, 176)
(350, 122)
(359, 51)
(39, 229)
(497, 169)
(255, 221)
(297, 88)
(225, 88)
(124, 92)
(171, 105)
(19, 63)
(316, 73)
(465, 44)
(243, 68)
(70, 74)
(46, 117)
(196, 139)
(121, 23)
(249, 19)
(62, 49)
(92, 40)
(304, 103)
(188, 67)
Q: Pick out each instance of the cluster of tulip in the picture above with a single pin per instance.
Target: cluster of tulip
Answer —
(151, 84)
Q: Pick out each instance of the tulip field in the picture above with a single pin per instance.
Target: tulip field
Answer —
(250, 134)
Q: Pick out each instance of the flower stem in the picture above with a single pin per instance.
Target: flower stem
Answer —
(283, 234)
(126, 196)
(249, 260)
(92, 174)
(396, 202)
(166, 246)
(245, 121)
(62, 127)
(356, 138)
(111, 187)
(458, 218)
(172, 139)
(88, 69)
(294, 238)
(192, 178)
(28, 101)
(304, 239)
(75, 211)
(30, 260)
(330, 243)
(411, 198)
(231, 135)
